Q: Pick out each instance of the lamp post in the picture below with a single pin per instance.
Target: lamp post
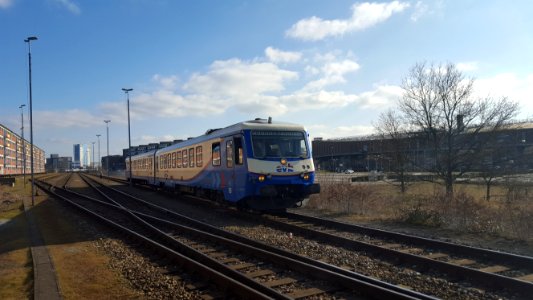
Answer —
(93, 156)
(107, 160)
(99, 159)
(23, 145)
(28, 40)
(127, 91)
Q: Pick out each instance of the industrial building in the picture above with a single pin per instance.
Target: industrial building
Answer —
(367, 153)
(15, 154)
(56, 164)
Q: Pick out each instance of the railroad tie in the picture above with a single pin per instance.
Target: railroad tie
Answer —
(436, 255)
(391, 246)
(494, 269)
(307, 293)
(463, 262)
(279, 282)
(528, 277)
(230, 260)
(241, 266)
(259, 273)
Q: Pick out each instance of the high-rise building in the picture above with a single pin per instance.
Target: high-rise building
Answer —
(82, 156)
(76, 161)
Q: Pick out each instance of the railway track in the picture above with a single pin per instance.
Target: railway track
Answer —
(259, 267)
(490, 269)
(487, 269)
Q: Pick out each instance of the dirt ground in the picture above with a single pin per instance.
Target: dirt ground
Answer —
(70, 249)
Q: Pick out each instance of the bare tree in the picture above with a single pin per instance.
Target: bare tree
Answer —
(438, 102)
(391, 128)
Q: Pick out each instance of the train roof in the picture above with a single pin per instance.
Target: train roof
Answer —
(262, 124)
(259, 124)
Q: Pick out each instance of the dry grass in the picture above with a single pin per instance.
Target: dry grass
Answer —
(16, 276)
(82, 271)
(508, 214)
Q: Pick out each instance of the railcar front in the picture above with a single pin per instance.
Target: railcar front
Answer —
(280, 166)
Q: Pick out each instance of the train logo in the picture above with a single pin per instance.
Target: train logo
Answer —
(285, 168)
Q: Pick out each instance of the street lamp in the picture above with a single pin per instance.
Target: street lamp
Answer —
(99, 159)
(107, 160)
(93, 156)
(28, 40)
(127, 91)
(23, 145)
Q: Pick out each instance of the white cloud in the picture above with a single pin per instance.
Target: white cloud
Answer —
(246, 86)
(333, 72)
(69, 5)
(509, 85)
(5, 3)
(166, 82)
(278, 56)
(381, 97)
(467, 66)
(328, 132)
(318, 100)
(423, 9)
(66, 119)
(239, 79)
(147, 139)
(364, 15)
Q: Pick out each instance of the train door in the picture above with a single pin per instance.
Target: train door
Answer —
(235, 168)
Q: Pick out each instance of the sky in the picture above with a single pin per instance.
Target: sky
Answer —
(332, 66)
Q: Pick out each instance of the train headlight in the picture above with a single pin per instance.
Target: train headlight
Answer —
(305, 176)
(261, 178)
(283, 161)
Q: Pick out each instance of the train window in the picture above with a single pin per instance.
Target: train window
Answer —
(239, 160)
(191, 157)
(178, 159)
(199, 157)
(216, 154)
(161, 162)
(173, 160)
(229, 154)
(169, 160)
(185, 158)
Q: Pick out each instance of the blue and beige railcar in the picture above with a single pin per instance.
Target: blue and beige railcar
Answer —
(258, 164)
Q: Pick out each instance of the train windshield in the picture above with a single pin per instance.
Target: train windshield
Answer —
(285, 144)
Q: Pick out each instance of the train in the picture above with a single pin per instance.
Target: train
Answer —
(257, 164)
